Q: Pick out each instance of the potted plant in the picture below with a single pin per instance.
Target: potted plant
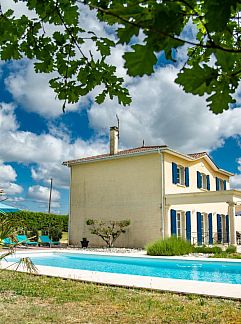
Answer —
(84, 242)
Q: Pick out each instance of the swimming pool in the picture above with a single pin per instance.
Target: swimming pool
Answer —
(211, 271)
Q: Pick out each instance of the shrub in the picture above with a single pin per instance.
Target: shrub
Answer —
(28, 220)
(231, 249)
(169, 246)
(34, 234)
(55, 233)
(226, 255)
(207, 249)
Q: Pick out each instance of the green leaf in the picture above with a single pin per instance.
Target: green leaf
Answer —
(220, 100)
(125, 34)
(218, 14)
(141, 61)
(197, 80)
(101, 97)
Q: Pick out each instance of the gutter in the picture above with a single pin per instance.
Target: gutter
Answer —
(109, 157)
(162, 194)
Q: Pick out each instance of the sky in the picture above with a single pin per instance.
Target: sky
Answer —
(36, 136)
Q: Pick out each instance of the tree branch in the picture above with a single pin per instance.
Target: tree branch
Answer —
(178, 39)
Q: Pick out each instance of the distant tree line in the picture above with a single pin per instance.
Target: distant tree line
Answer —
(37, 221)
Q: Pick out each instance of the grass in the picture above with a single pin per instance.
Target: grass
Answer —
(26, 299)
(64, 238)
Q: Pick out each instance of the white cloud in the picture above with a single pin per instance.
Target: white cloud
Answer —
(47, 151)
(161, 113)
(41, 193)
(8, 120)
(7, 180)
(235, 181)
(7, 173)
(33, 92)
(12, 188)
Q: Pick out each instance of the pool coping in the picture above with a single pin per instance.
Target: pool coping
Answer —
(213, 289)
(139, 254)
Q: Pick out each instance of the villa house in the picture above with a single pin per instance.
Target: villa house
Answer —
(161, 191)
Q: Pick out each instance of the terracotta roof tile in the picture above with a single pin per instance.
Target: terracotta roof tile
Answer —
(124, 152)
(197, 155)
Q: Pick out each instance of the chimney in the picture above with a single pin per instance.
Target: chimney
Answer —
(114, 138)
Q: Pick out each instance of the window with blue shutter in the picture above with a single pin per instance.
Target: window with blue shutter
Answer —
(199, 180)
(173, 222)
(199, 228)
(210, 228)
(188, 226)
(174, 173)
(224, 185)
(219, 228)
(217, 184)
(187, 177)
(227, 229)
(208, 182)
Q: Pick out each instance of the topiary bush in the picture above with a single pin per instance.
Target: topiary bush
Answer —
(207, 249)
(170, 246)
(231, 249)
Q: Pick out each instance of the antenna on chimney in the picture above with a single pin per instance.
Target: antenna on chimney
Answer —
(118, 125)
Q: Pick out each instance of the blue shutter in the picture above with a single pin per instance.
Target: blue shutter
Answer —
(174, 173)
(187, 177)
(210, 228)
(188, 225)
(173, 222)
(224, 185)
(219, 228)
(199, 180)
(227, 228)
(208, 182)
(217, 184)
(199, 229)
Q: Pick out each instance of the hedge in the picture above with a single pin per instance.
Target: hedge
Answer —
(36, 220)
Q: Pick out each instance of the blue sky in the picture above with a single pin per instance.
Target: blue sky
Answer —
(36, 137)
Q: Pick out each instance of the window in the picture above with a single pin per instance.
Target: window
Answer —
(220, 184)
(180, 175)
(179, 224)
(203, 181)
(202, 228)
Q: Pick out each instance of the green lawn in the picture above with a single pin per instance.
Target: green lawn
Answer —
(25, 298)
(64, 238)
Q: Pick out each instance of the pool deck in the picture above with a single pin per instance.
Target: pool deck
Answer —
(213, 289)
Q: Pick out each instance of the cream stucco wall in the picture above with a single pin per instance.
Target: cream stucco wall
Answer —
(207, 208)
(117, 189)
(203, 167)
(194, 166)
(130, 188)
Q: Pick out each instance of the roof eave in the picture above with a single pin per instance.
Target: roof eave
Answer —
(111, 157)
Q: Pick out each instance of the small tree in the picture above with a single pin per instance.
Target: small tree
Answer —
(109, 231)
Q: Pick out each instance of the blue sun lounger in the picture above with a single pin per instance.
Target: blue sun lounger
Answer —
(25, 241)
(46, 240)
(7, 241)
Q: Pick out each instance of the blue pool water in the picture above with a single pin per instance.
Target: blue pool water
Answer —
(225, 272)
